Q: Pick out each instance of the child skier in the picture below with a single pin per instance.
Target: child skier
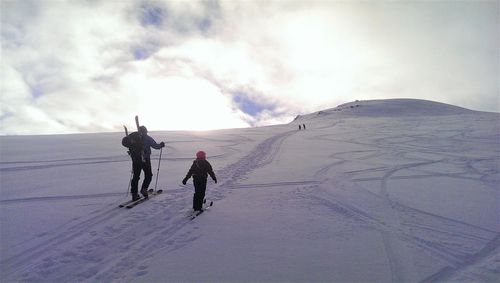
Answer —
(200, 169)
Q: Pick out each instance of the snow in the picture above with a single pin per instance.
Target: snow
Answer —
(386, 190)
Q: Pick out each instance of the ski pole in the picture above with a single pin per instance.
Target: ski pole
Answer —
(158, 171)
(131, 170)
(129, 182)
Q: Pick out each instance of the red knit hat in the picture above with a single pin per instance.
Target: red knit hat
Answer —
(201, 155)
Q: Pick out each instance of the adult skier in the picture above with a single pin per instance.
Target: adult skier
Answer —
(140, 145)
(200, 169)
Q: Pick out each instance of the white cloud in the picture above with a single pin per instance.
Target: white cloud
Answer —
(70, 66)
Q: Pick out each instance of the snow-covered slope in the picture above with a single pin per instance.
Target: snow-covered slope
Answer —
(389, 108)
(390, 190)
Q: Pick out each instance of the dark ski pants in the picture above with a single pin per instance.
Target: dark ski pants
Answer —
(137, 166)
(200, 186)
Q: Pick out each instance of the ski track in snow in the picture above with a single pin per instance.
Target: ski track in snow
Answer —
(36, 165)
(104, 247)
(404, 228)
(58, 198)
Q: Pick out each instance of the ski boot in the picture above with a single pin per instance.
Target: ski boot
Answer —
(144, 192)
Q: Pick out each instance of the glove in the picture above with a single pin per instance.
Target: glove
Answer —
(162, 144)
(215, 180)
(184, 181)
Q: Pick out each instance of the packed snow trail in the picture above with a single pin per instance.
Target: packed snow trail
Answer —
(110, 245)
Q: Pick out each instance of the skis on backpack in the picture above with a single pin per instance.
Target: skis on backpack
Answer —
(140, 134)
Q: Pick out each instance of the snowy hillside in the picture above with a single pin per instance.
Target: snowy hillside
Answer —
(387, 190)
(391, 108)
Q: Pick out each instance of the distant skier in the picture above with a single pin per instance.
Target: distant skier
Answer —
(304, 126)
(200, 169)
(300, 127)
(140, 152)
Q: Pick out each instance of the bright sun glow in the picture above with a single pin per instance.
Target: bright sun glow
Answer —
(184, 104)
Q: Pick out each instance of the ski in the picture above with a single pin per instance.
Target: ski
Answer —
(141, 200)
(133, 202)
(125, 203)
(126, 130)
(150, 191)
(198, 213)
(137, 121)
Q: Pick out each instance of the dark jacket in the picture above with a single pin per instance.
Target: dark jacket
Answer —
(148, 143)
(201, 168)
(139, 147)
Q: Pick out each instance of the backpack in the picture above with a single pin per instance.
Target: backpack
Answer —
(200, 168)
(134, 143)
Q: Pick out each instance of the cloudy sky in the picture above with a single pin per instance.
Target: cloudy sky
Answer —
(91, 65)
